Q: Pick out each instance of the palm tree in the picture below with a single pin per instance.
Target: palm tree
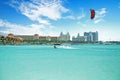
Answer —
(2, 39)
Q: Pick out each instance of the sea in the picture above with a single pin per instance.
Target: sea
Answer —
(66, 62)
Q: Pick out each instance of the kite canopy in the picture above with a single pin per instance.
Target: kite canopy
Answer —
(92, 13)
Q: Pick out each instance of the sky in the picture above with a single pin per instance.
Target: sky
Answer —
(50, 17)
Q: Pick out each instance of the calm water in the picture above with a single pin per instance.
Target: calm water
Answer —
(73, 62)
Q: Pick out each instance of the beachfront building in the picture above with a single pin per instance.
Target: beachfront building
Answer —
(39, 38)
(95, 36)
(26, 37)
(42, 38)
(32, 37)
(36, 37)
(54, 38)
(48, 38)
(91, 36)
(64, 37)
(79, 38)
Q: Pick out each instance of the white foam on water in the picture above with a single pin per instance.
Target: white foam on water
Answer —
(66, 47)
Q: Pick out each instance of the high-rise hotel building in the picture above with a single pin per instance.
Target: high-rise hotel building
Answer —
(91, 36)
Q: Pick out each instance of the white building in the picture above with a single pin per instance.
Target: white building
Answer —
(91, 36)
(64, 37)
(36, 37)
(79, 38)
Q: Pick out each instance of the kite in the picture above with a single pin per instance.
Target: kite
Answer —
(92, 13)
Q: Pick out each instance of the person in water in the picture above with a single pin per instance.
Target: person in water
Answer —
(55, 46)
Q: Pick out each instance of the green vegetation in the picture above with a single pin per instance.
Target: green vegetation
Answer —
(10, 40)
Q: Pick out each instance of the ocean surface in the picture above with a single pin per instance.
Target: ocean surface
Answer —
(67, 62)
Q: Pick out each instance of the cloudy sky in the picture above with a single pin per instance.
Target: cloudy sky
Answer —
(50, 17)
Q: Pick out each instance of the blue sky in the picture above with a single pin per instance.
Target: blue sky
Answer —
(50, 17)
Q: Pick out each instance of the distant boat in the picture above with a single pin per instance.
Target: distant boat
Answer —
(57, 44)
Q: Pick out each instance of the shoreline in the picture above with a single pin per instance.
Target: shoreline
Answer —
(64, 43)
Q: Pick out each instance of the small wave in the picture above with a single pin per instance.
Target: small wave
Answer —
(66, 47)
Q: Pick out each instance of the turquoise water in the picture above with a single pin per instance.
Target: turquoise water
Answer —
(72, 62)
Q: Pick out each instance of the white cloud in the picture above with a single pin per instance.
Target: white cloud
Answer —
(82, 24)
(24, 30)
(41, 10)
(82, 15)
(1, 23)
(77, 17)
(99, 14)
(98, 20)
(69, 17)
